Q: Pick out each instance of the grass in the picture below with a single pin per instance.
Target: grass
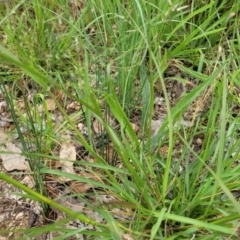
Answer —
(111, 59)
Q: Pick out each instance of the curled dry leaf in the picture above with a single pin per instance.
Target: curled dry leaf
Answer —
(68, 156)
(13, 160)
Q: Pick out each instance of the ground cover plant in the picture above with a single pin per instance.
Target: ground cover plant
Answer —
(124, 116)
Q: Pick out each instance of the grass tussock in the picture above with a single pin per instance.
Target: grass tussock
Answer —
(103, 64)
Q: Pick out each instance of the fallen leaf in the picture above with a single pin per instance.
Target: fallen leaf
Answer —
(14, 160)
(135, 127)
(74, 106)
(97, 127)
(3, 137)
(68, 156)
(50, 105)
(79, 187)
(28, 181)
(127, 237)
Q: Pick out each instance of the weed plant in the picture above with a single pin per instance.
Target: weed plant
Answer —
(109, 56)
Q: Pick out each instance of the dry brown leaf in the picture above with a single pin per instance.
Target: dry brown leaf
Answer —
(79, 187)
(97, 127)
(135, 127)
(50, 105)
(164, 150)
(127, 237)
(74, 106)
(68, 156)
(28, 181)
(14, 160)
(3, 137)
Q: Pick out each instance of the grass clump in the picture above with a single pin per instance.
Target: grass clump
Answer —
(103, 65)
